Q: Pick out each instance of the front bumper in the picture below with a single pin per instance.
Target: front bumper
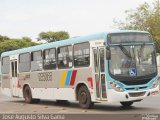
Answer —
(114, 96)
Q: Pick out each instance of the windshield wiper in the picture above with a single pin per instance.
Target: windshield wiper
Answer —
(140, 51)
(124, 50)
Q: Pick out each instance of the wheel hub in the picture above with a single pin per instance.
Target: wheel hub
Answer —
(83, 97)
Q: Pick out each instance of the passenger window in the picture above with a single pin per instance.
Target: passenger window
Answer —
(49, 60)
(24, 62)
(65, 57)
(5, 65)
(36, 61)
(81, 55)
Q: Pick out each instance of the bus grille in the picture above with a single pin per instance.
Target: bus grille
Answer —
(134, 88)
(137, 94)
(136, 82)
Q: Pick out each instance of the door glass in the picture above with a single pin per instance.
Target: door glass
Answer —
(97, 85)
(12, 63)
(95, 60)
(103, 86)
(15, 68)
(101, 52)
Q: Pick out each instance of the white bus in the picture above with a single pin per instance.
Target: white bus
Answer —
(107, 67)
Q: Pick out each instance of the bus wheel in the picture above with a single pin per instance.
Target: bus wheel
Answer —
(84, 98)
(126, 104)
(27, 95)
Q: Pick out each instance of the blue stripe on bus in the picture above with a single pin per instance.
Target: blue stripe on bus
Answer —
(69, 73)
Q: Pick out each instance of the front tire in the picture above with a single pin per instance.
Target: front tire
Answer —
(84, 98)
(126, 104)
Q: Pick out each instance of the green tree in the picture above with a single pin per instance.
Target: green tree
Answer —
(145, 17)
(13, 44)
(3, 38)
(53, 36)
(27, 39)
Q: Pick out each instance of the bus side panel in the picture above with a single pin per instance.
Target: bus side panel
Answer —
(43, 93)
(41, 83)
(6, 81)
(69, 79)
(64, 94)
(85, 76)
(56, 84)
(6, 85)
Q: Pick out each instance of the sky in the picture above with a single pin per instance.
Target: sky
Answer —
(19, 18)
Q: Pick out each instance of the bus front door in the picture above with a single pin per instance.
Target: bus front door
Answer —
(14, 79)
(99, 69)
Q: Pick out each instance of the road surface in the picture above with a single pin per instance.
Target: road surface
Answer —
(151, 105)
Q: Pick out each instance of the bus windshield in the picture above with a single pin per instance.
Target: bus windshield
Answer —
(132, 61)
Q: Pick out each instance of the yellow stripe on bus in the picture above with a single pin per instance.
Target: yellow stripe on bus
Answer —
(63, 78)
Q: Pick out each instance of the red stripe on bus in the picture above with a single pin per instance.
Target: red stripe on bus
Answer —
(73, 78)
(91, 81)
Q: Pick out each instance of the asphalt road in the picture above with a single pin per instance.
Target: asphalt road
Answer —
(151, 105)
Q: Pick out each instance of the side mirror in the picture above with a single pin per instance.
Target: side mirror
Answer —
(108, 53)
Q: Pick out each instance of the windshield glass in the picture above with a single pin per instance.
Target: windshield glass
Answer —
(132, 61)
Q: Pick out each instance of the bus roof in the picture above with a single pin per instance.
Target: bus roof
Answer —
(73, 40)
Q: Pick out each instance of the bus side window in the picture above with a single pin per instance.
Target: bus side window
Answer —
(24, 62)
(65, 57)
(5, 65)
(36, 61)
(49, 59)
(82, 55)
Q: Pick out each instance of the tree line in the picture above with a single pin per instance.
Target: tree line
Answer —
(8, 44)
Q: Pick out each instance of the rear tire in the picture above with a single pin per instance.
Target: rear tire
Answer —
(84, 98)
(28, 96)
(126, 104)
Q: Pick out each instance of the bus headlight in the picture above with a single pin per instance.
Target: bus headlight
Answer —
(155, 84)
(116, 87)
